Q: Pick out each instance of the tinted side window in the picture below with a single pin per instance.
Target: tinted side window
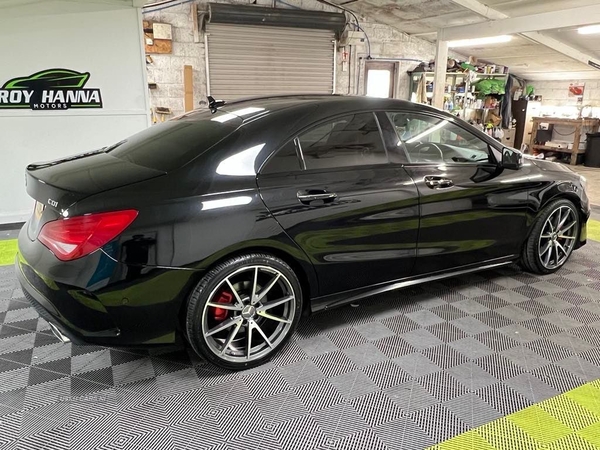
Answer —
(431, 139)
(285, 160)
(352, 140)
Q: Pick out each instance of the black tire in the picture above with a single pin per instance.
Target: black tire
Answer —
(531, 260)
(202, 318)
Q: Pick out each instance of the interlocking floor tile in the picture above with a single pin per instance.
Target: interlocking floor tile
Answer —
(404, 370)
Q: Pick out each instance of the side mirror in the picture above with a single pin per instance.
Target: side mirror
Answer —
(511, 159)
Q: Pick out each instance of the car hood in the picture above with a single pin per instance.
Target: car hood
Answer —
(547, 166)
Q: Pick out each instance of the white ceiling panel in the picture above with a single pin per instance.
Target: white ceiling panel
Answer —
(524, 57)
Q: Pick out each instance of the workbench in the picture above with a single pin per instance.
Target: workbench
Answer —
(587, 125)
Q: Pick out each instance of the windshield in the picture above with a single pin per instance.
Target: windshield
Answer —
(173, 144)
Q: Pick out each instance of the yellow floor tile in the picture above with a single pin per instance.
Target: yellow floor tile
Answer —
(540, 425)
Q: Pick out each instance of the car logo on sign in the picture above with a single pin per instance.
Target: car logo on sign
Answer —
(53, 203)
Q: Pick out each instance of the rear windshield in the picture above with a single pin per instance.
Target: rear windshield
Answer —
(172, 144)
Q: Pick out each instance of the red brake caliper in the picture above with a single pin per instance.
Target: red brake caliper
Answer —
(220, 314)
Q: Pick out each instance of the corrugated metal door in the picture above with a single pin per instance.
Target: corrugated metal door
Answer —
(248, 61)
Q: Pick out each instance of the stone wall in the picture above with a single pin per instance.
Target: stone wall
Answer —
(556, 100)
(167, 70)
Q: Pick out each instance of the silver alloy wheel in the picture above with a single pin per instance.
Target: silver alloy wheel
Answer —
(259, 316)
(558, 236)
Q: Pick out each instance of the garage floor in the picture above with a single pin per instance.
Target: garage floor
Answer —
(405, 370)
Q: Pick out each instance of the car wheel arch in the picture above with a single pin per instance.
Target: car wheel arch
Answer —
(308, 281)
(553, 195)
(562, 195)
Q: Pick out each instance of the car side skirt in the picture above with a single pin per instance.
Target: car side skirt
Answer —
(335, 300)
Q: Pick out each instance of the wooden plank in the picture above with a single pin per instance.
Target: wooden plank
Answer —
(553, 149)
(576, 139)
(195, 28)
(559, 120)
(188, 88)
(160, 46)
(534, 128)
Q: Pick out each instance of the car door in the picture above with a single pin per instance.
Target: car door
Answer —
(471, 209)
(334, 192)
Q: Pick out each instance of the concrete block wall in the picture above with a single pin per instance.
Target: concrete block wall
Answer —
(556, 100)
(166, 70)
(387, 43)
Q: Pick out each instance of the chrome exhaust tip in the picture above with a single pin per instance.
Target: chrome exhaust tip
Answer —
(56, 332)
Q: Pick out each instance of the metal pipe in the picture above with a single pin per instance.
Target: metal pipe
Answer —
(334, 65)
(169, 5)
(350, 60)
(396, 59)
(206, 61)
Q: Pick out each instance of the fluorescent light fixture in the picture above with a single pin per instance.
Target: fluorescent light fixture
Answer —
(591, 29)
(480, 41)
(427, 132)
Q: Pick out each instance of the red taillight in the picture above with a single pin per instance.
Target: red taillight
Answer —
(78, 236)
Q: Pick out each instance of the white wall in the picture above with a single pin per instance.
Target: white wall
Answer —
(107, 44)
(556, 100)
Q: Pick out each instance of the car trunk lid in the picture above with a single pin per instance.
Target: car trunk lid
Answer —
(57, 185)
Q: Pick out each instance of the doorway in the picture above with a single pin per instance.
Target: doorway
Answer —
(380, 79)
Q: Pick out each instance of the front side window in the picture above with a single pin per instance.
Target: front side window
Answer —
(432, 139)
(353, 140)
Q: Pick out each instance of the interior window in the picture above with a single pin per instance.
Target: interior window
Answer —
(431, 139)
(285, 160)
(352, 140)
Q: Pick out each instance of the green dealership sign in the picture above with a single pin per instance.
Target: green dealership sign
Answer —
(52, 89)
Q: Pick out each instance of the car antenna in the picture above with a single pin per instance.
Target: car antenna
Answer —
(213, 104)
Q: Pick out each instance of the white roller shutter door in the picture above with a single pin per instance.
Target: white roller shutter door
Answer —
(249, 61)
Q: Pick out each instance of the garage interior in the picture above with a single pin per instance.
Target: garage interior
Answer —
(501, 359)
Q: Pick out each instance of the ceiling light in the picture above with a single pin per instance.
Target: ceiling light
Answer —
(479, 41)
(592, 29)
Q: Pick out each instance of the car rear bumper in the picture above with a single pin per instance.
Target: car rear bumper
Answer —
(78, 326)
(135, 312)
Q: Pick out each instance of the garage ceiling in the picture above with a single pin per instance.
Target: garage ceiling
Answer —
(525, 58)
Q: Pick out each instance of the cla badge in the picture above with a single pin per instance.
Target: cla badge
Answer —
(50, 89)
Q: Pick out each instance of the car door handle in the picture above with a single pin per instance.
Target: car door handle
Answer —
(434, 182)
(312, 195)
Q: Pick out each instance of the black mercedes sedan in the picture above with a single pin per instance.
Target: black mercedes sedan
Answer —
(225, 225)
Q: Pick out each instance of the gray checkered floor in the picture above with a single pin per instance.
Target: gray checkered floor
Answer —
(401, 371)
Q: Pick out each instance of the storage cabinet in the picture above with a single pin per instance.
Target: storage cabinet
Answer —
(523, 112)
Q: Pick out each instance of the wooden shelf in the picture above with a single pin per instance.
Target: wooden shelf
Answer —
(485, 75)
(578, 125)
(561, 150)
(586, 121)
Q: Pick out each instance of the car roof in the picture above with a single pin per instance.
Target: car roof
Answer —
(258, 105)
